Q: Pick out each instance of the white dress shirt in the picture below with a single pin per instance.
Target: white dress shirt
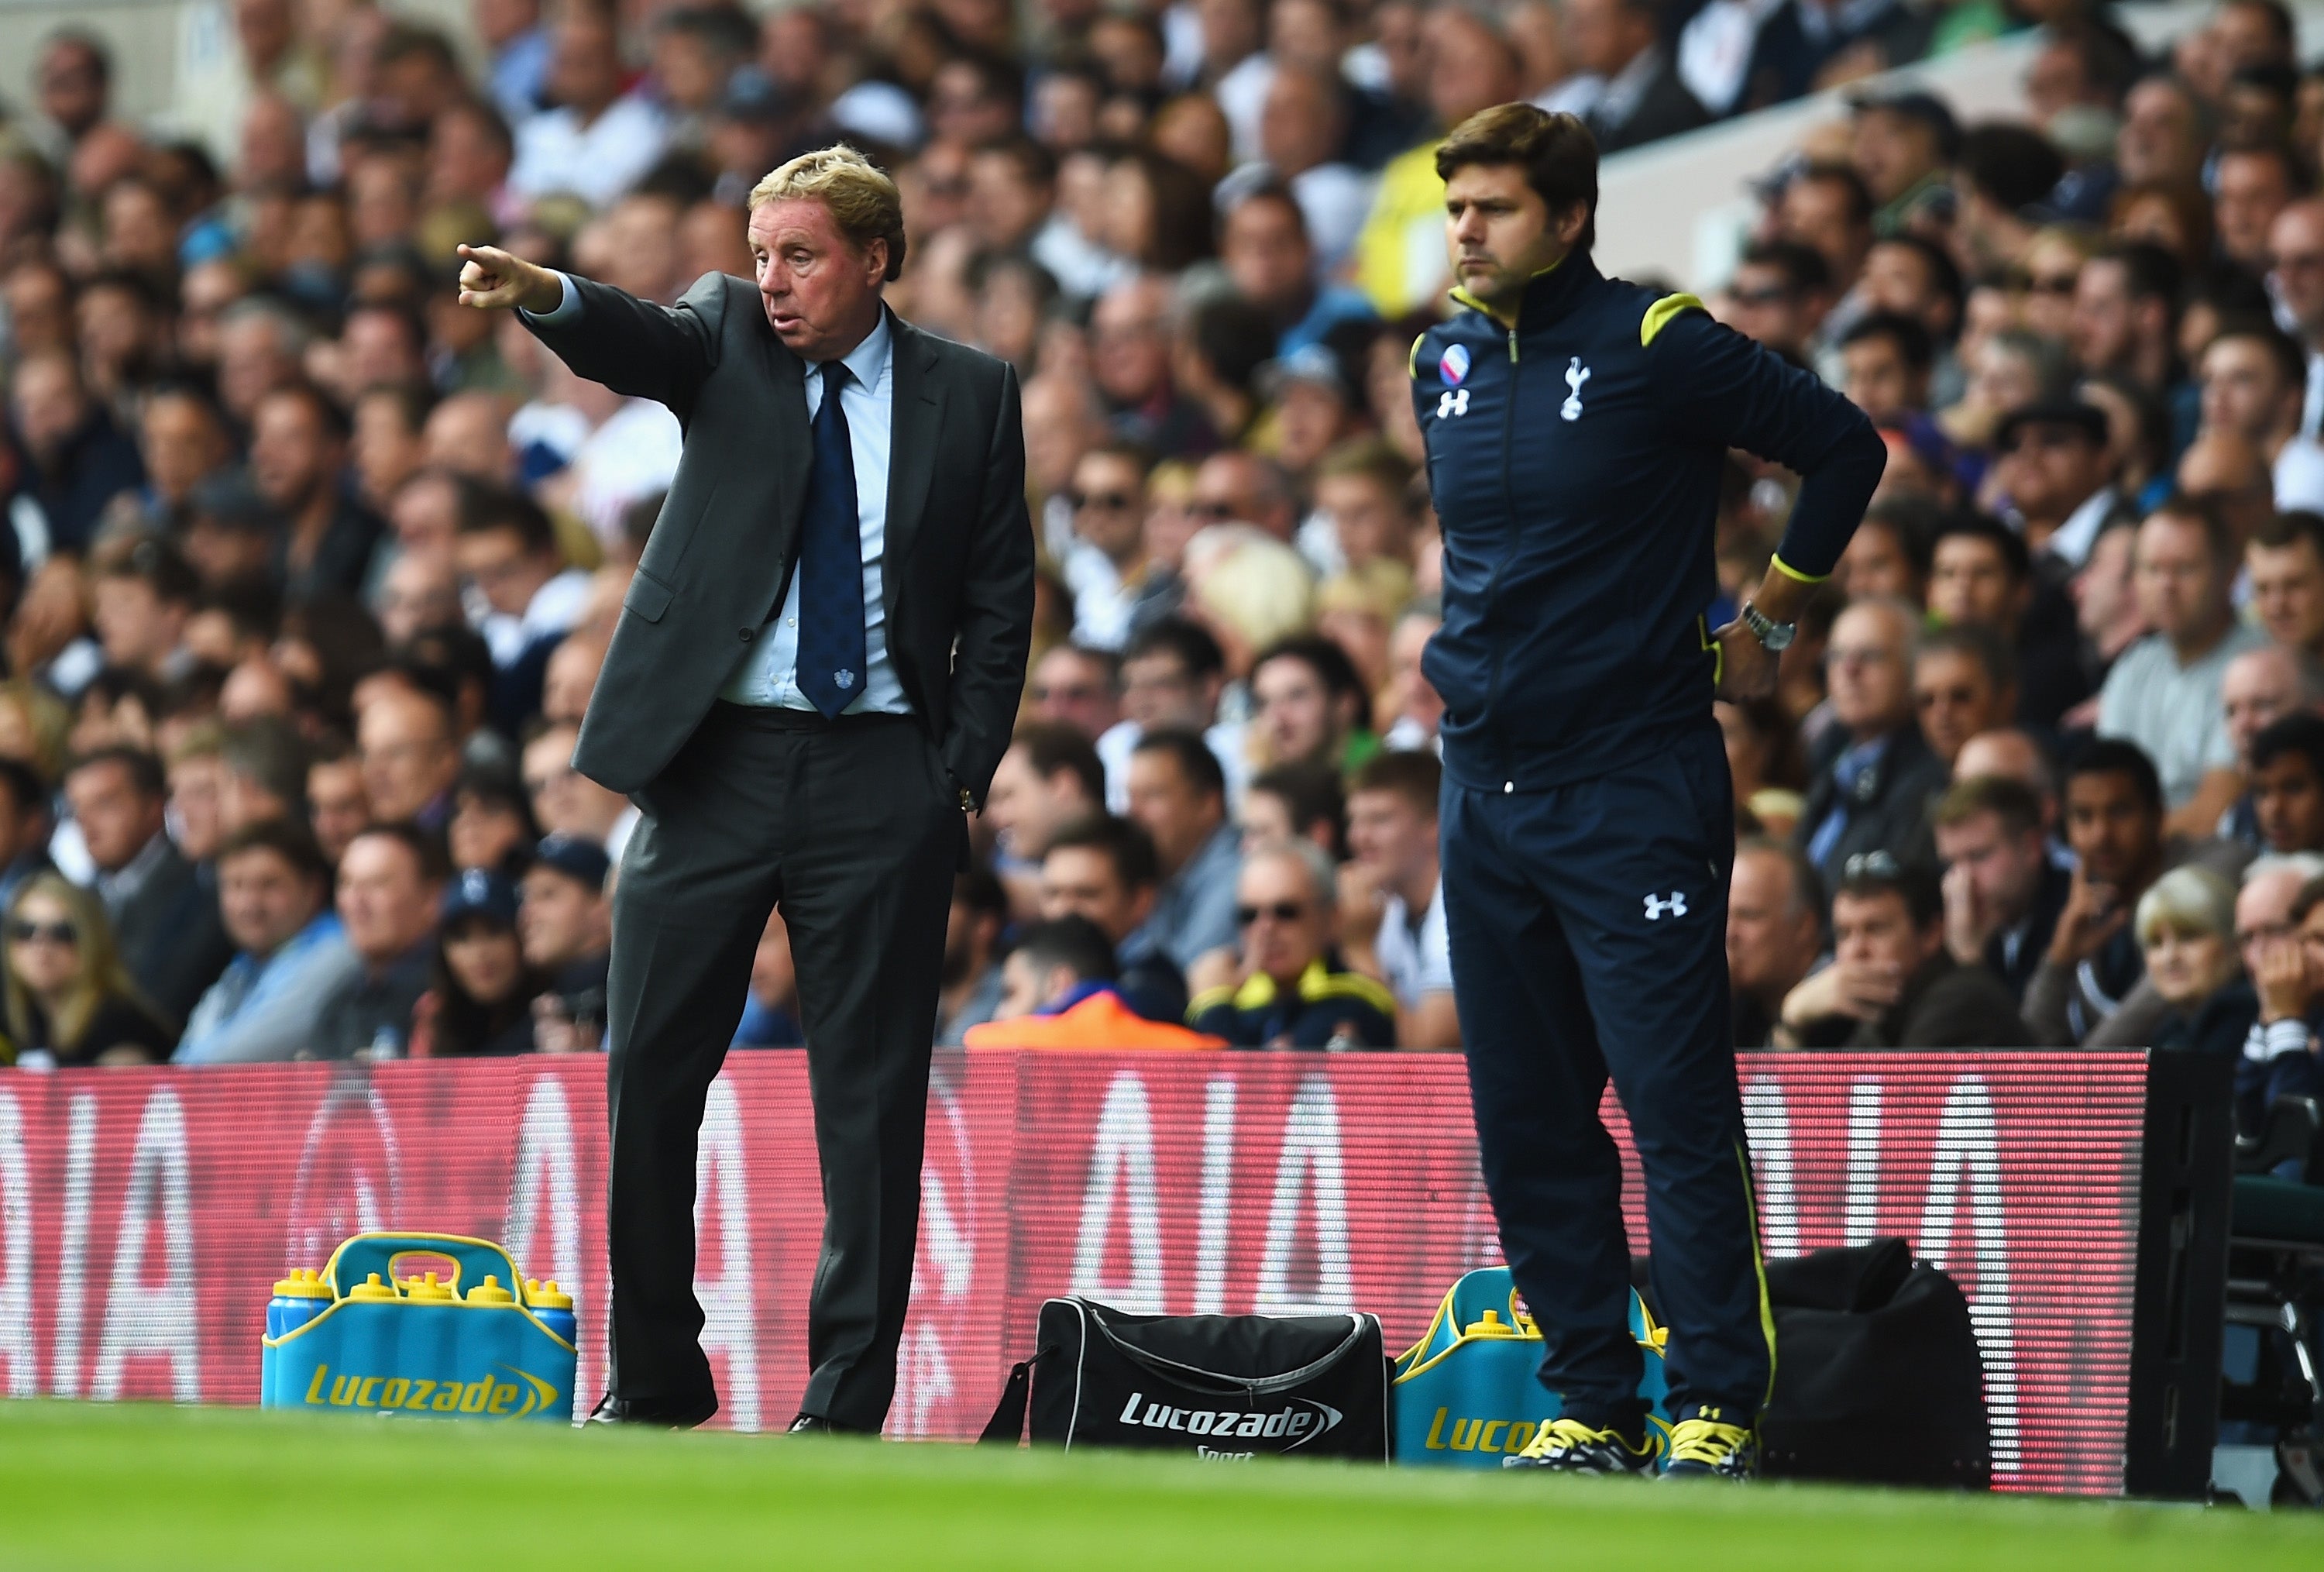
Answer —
(765, 677)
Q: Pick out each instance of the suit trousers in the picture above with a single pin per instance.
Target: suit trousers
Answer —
(850, 825)
(1588, 926)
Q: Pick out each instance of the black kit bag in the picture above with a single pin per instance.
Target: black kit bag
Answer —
(1877, 1376)
(1224, 1388)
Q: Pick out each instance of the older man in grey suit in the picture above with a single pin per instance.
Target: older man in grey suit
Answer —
(816, 671)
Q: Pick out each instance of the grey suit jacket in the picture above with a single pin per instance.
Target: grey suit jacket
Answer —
(959, 569)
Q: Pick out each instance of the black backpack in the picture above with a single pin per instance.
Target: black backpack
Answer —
(1222, 1388)
(1877, 1376)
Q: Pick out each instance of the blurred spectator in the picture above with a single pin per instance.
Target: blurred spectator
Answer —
(2001, 892)
(508, 551)
(491, 826)
(2287, 784)
(1643, 99)
(2255, 381)
(1980, 576)
(2163, 692)
(770, 1011)
(2283, 561)
(78, 462)
(162, 910)
(567, 927)
(971, 980)
(339, 807)
(1296, 803)
(481, 992)
(1964, 682)
(390, 886)
(2281, 938)
(25, 826)
(292, 956)
(2259, 688)
(1887, 360)
(1102, 869)
(69, 1000)
(1263, 243)
(598, 140)
(1061, 991)
(1107, 566)
(297, 459)
(1392, 835)
(1075, 686)
(1892, 983)
(142, 597)
(1779, 295)
(2196, 997)
(2113, 827)
(409, 757)
(1310, 705)
(1872, 774)
(2055, 467)
(1173, 674)
(1049, 777)
(564, 801)
(1286, 987)
(1177, 795)
(1775, 932)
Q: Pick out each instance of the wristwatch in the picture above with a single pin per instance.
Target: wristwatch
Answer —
(1774, 637)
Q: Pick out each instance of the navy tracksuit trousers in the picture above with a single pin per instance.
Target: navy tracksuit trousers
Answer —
(1589, 924)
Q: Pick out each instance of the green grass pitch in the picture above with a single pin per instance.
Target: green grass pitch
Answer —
(152, 1487)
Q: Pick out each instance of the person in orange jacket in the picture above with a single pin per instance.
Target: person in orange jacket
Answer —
(1059, 992)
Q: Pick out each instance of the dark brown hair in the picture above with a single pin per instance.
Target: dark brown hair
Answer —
(1557, 151)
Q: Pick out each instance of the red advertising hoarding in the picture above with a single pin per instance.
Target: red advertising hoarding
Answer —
(144, 1215)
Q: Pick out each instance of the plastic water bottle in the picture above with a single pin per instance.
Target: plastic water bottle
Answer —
(553, 1308)
(297, 1299)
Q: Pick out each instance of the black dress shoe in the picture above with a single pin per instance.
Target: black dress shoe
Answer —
(811, 1425)
(617, 1411)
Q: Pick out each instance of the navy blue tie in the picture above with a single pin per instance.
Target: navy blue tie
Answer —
(831, 653)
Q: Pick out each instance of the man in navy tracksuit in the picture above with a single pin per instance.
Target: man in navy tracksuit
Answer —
(1576, 428)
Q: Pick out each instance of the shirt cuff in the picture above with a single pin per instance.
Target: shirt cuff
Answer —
(567, 308)
(2274, 1039)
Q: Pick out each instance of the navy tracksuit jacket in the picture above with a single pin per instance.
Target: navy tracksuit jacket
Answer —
(1587, 820)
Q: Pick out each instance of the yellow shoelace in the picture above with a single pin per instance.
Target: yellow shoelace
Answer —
(1706, 1441)
(1567, 1433)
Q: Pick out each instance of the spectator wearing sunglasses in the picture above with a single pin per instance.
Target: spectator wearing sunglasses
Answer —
(1106, 567)
(1288, 987)
(1892, 984)
(69, 1000)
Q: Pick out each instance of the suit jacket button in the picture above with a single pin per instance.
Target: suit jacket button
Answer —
(743, 634)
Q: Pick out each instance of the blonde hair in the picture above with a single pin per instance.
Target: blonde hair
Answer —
(861, 200)
(2192, 901)
(101, 974)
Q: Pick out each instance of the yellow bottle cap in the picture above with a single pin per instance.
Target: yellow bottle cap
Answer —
(371, 1288)
(1492, 1326)
(302, 1284)
(545, 1295)
(490, 1292)
(427, 1288)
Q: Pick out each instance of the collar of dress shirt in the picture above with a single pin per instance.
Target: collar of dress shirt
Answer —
(868, 359)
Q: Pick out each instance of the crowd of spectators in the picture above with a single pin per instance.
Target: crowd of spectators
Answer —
(309, 572)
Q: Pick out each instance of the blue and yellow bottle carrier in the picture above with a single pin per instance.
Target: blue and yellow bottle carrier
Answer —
(1467, 1395)
(359, 1337)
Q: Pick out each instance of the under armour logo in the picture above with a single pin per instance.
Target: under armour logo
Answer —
(1659, 907)
(1452, 402)
(1576, 374)
(843, 679)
